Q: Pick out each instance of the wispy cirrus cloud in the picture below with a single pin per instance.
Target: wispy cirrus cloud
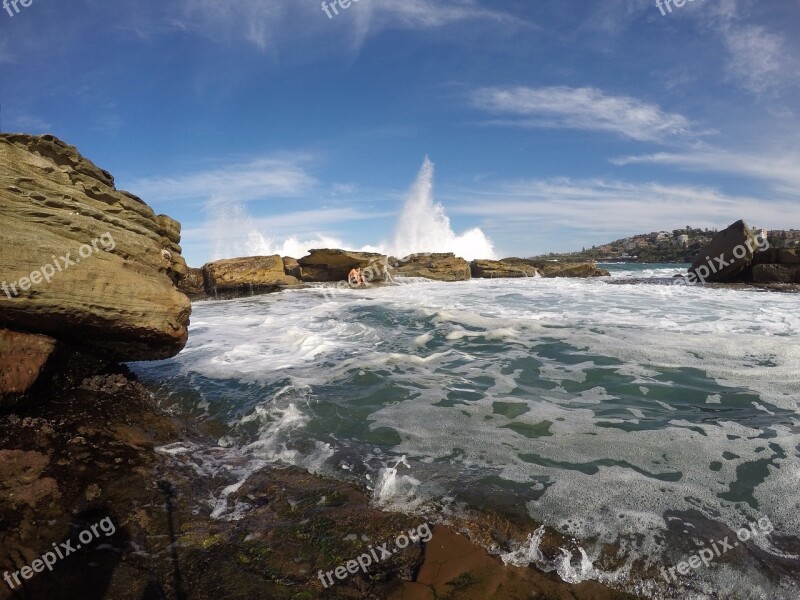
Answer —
(267, 24)
(604, 208)
(584, 108)
(278, 176)
(781, 172)
(758, 60)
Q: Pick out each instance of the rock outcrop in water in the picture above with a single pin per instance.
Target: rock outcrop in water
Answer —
(246, 276)
(554, 269)
(490, 269)
(737, 255)
(82, 263)
(322, 266)
(436, 266)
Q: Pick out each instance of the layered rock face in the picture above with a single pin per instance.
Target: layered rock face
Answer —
(238, 276)
(489, 269)
(550, 269)
(83, 262)
(439, 267)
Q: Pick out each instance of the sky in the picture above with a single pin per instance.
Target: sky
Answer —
(276, 126)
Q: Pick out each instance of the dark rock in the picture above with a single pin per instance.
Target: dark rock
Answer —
(730, 252)
(775, 274)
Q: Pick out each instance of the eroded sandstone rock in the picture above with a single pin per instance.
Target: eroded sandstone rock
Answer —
(83, 261)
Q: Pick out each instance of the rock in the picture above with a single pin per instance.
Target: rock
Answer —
(775, 274)
(489, 269)
(82, 261)
(777, 256)
(246, 276)
(440, 267)
(553, 269)
(730, 252)
(193, 284)
(328, 265)
(23, 357)
(292, 267)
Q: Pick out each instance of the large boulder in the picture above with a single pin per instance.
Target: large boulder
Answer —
(246, 276)
(82, 261)
(490, 269)
(440, 267)
(730, 252)
(326, 265)
(553, 269)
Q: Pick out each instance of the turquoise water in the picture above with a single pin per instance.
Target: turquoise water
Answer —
(649, 417)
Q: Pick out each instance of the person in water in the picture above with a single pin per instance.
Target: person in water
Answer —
(356, 278)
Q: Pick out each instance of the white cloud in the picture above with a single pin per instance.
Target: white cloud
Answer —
(611, 207)
(758, 60)
(271, 176)
(265, 23)
(781, 172)
(583, 108)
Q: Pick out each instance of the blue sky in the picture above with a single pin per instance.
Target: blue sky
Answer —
(265, 126)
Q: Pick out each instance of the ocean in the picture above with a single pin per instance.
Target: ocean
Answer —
(643, 421)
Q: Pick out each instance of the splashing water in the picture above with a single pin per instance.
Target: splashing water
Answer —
(424, 226)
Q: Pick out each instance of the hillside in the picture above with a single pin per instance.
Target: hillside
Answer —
(677, 246)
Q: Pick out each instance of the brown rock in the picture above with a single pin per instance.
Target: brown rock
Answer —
(440, 267)
(22, 359)
(328, 265)
(489, 269)
(552, 269)
(292, 267)
(251, 275)
(87, 263)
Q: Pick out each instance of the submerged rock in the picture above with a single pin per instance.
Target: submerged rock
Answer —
(82, 261)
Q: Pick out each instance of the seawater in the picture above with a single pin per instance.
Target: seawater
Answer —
(654, 418)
